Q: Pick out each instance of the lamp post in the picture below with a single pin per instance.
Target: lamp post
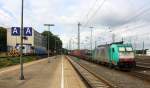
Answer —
(56, 40)
(49, 25)
(57, 46)
(56, 43)
(21, 44)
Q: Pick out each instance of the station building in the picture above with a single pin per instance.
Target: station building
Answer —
(35, 43)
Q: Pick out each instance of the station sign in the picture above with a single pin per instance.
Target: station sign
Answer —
(15, 31)
(27, 31)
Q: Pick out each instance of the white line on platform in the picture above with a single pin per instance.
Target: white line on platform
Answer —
(62, 73)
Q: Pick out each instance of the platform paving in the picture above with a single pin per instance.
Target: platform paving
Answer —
(41, 74)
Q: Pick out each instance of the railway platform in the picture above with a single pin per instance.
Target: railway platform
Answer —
(59, 73)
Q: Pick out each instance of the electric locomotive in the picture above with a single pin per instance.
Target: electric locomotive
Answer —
(115, 55)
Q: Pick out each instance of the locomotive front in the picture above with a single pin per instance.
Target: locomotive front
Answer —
(126, 56)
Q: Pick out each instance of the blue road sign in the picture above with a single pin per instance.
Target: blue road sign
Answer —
(15, 31)
(27, 31)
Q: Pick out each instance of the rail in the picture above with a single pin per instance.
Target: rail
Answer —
(92, 79)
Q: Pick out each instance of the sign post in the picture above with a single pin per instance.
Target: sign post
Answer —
(22, 32)
(21, 49)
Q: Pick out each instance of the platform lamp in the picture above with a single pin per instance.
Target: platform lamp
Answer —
(48, 25)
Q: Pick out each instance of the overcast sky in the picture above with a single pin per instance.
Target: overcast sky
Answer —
(129, 19)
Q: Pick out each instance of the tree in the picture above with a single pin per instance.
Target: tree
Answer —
(3, 39)
(55, 44)
(65, 51)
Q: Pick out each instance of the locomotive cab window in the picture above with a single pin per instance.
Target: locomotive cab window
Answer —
(121, 49)
(113, 50)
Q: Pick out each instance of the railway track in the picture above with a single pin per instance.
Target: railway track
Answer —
(143, 65)
(90, 78)
(141, 72)
(141, 75)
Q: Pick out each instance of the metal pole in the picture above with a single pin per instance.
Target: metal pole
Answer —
(135, 44)
(122, 39)
(91, 40)
(113, 37)
(143, 48)
(70, 44)
(79, 36)
(73, 44)
(55, 46)
(21, 48)
(56, 43)
(95, 44)
(48, 44)
(55, 49)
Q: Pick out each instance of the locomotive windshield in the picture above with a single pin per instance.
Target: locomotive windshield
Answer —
(126, 52)
(121, 49)
(129, 49)
(125, 49)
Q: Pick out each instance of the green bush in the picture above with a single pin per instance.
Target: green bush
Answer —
(4, 62)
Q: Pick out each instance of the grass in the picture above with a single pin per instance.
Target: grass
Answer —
(4, 62)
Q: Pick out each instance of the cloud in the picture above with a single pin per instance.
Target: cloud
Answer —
(5, 18)
(123, 17)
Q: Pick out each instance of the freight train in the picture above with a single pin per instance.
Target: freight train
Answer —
(113, 55)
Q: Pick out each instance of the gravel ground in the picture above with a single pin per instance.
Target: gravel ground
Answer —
(120, 79)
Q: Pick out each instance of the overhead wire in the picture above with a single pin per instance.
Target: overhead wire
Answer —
(138, 26)
(128, 20)
(140, 12)
(91, 8)
(88, 12)
(99, 7)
